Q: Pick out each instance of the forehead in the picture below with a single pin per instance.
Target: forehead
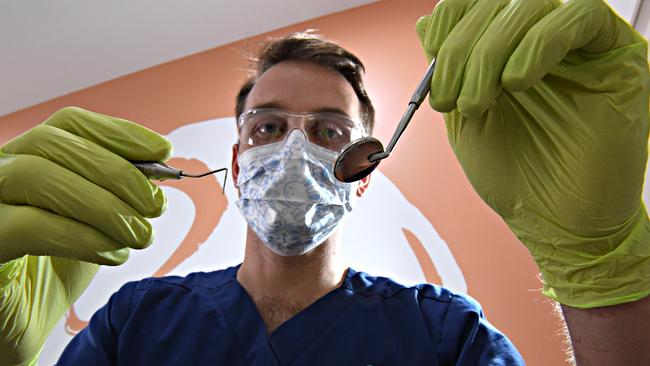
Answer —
(303, 87)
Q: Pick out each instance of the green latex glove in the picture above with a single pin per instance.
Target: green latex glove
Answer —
(69, 200)
(546, 106)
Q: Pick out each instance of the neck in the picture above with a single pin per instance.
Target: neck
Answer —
(295, 281)
(264, 273)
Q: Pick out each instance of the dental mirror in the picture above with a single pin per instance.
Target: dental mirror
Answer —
(362, 156)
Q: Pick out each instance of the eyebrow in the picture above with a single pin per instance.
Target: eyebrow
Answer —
(277, 105)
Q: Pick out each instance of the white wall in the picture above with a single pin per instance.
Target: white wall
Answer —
(637, 12)
(627, 9)
(643, 19)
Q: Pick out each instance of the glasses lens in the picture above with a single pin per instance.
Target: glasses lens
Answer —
(261, 127)
(331, 130)
(266, 126)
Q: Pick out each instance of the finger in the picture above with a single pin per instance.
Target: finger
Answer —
(92, 162)
(30, 230)
(34, 181)
(421, 27)
(482, 79)
(455, 51)
(589, 25)
(127, 139)
(433, 29)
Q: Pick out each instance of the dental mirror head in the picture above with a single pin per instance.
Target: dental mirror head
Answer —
(360, 157)
(354, 161)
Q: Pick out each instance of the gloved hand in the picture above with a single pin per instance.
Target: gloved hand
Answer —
(69, 200)
(546, 106)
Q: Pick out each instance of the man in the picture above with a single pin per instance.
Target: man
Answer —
(290, 301)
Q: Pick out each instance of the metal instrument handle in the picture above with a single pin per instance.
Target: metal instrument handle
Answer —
(158, 171)
(418, 97)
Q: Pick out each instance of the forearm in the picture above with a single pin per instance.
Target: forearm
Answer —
(35, 292)
(17, 346)
(612, 335)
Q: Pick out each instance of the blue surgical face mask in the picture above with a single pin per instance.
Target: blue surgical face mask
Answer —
(289, 195)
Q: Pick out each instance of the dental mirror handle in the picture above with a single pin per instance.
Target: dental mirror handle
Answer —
(418, 97)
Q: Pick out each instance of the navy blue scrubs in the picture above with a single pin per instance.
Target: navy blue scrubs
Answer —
(209, 319)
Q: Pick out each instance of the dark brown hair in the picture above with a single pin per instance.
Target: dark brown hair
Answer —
(308, 47)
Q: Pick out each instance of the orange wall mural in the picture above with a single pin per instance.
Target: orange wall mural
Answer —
(496, 268)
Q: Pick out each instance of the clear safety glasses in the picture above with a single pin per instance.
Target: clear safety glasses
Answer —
(330, 130)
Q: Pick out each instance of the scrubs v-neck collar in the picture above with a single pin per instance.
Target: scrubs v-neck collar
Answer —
(292, 337)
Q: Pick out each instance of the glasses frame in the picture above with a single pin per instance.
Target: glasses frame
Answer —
(302, 115)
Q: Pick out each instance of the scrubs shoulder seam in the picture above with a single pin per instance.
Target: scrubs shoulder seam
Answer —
(443, 327)
(219, 286)
(133, 290)
(363, 284)
(420, 293)
(438, 299)
(146, 283)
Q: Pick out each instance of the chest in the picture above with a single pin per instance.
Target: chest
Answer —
(232, 332)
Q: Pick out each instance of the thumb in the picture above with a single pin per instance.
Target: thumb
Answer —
(421, 28)
(588, 25)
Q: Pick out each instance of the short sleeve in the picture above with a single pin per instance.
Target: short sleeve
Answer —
(97, 343)
(465, 337)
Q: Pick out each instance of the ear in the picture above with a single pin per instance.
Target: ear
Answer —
(363, 185)
(234, 164)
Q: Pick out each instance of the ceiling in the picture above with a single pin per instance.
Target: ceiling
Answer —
(51, 48)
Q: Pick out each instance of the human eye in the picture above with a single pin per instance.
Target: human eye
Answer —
(265, 127)
(268, 128)
(268, 124)
(330, 131)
